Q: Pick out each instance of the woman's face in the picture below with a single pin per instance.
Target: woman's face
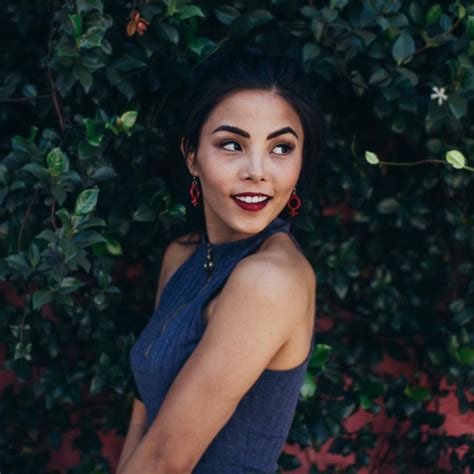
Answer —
(252, 142)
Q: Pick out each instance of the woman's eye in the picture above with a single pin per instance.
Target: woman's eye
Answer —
(229, 144)
(287, 147)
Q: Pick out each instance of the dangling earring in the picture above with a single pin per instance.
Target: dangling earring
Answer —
(294, 207)
(194, 192)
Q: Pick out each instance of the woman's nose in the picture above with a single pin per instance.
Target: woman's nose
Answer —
(256, 166)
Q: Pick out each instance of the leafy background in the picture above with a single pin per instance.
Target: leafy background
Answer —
(92, 187)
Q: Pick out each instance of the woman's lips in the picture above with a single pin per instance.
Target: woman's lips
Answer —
(251, 206)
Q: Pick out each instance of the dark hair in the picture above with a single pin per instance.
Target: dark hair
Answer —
(234, 68)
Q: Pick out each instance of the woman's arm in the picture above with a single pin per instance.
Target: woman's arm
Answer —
(135, 433)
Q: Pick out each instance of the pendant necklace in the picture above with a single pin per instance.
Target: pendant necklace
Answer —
(209, 263)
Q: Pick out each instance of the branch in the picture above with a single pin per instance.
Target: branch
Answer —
(25, 99)
(54, 93)
(53, 218)
(25, 220)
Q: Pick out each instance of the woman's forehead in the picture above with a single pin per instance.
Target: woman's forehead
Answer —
(249, 109)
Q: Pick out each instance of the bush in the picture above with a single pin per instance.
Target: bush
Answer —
(92, 187)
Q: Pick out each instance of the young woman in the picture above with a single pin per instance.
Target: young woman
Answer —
(220, 364)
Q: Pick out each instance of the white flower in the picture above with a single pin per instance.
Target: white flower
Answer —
(439, 94)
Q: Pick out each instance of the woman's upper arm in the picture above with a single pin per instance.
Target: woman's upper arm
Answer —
(253, 318)
(138, 417)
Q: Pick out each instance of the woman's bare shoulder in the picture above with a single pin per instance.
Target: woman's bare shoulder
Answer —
(278, 264)
(280, 250)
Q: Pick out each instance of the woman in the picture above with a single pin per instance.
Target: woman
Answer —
(221, 361)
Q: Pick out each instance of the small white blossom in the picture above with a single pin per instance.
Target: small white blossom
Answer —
(439, 94)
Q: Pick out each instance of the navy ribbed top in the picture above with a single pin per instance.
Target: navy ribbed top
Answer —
(252, 439)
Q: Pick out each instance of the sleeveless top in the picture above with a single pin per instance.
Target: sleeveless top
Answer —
(252, 439)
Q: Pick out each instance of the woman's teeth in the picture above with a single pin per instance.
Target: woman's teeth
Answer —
(251, 199)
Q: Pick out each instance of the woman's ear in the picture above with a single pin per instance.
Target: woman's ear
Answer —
(190, 158)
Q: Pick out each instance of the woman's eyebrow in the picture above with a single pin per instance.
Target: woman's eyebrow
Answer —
(243, 133)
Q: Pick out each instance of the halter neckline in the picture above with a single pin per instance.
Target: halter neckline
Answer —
(218, 253)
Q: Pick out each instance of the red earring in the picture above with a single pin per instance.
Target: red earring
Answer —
(294, 207)
(194, 192)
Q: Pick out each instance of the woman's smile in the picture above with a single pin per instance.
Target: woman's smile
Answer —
(252, 204)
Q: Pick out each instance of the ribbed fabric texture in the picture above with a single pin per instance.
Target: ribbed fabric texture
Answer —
(252, 439)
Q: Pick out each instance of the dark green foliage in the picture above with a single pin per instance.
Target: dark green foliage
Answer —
(92, 187)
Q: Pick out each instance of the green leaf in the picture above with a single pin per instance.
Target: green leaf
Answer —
(418, 394)
(380, 78)
(226, 14)
(94, 132)
(433, 14)
(416, 13)
(167, 33)
(69, 285)
(243, 24)
(403, 47)
(124, 63)
(371, 158)
(66, 48)
(200, 45)
(458, 105)
(371, 389)
(320, 356)
(34, 255)
(29, 90)
(86, 5)
(470, 27)
(4, 175)
(88, 238)
(103, 173)
(97, 384)
(172, 7)
(39, 171)
(18, 262)
(68, 249)
(48, 235)
(55, 162)
(59, 193)
(86, 222)
(456, 159)
(23, 351)
(338, 4)
(41, 297)
(309, 387)
(77, 24)
(128, 119)
(86, 201)
(144, 213)
(113, 246)
(92, 38)
(311, 51)
(388, 206)
(85, 77)
(189, 11)
(465, 355)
